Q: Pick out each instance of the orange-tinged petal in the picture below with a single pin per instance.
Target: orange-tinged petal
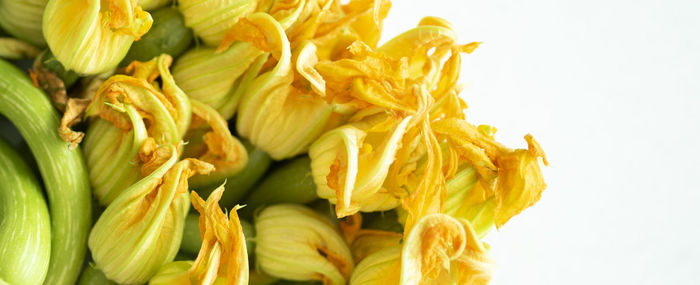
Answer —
(223, 253)
(520, 182)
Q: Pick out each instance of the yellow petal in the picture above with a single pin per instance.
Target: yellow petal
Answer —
(172, 273)
(430, 247)
(380, 268)
(93, 36)
(215, 78)
(223, 254)
(211, 19)
(350, 164)
(222, 149)
(520, 181)
(132, 108)
(275, 115)
(364, 242)
(473, 266)
(305, 62)
(111, 155)
(142, 228)
(295, 243)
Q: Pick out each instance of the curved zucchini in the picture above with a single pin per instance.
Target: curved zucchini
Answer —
(62, 169)
(25, 227)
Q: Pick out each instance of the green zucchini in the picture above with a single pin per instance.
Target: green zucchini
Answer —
(25, 226)
(63, 171)
(291, 182)
(93, 276)
(239, 184)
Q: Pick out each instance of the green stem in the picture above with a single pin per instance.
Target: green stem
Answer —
(25, 234)
(93, 276)
(62, 169)
(385, 221)
(291, 182)
(191, 238)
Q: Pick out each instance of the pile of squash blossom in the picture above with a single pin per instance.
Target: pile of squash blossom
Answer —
(380, 179)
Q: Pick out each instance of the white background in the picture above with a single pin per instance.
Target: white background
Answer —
(611, 90)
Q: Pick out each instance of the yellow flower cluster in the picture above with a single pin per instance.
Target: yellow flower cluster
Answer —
(384, 127)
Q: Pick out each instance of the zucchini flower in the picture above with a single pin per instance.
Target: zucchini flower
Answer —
(211, 19)
(295, 243)
(412, 77)
(330, 25)
(444, 250)
(351, 162)
(22, 20)
(438, 250)
(219, 78)
(512, 177)
(133, 109)
(276, 115)
(222, 258)
(142, 228)
(91, 37)
(217, 146)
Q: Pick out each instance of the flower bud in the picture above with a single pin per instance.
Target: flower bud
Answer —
(22, 20)
(91, 37)
(132, 110)
(142, 228)
(275, 114)
(295, 243)
(218, 78)
(211, 19)
(443, 250)
(351, 162)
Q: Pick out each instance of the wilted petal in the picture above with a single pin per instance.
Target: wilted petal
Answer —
(520, 181)
(218, 146)
(223, 254)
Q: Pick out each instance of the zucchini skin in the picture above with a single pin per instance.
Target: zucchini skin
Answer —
(290, 182)
(25, 226)
(63, 171)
